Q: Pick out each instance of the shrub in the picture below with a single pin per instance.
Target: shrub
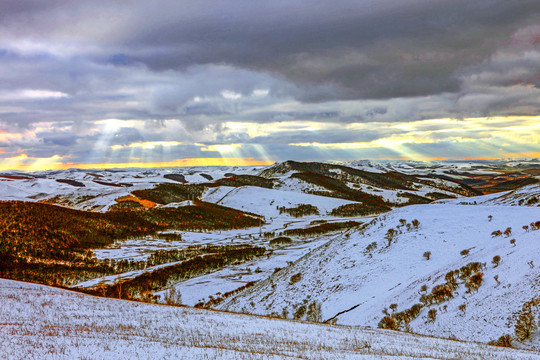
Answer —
(496, 233)
(525, 326)
(295, 278)
(441, 293)
(467, 270)
(503, 341)
(300, 210)
(450, 277)
(321, 229)
(496, 260)
(349, 210)
(513, 242)
(408, 315)
(508, 232)
(432, 315)
(173, 297)
(282, 240)
(464, 252)
(300, 312)
(389, 323)
(475, 281)
(371, 246)
(415, 223)
(313, 312)
(427, 255)
(390, 235)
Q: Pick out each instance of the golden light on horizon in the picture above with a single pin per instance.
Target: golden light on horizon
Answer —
(25, 163)
(469, 138)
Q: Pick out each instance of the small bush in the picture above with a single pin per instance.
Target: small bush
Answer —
(441, 293)
(295, 278)
(282, 240)
(432, 315)
(389, 323)
(467, 270)
(475, 281)
(427, 255)
(464, 252)
(173, 297)
(300, 312)
(496, 260)
(300, 210)
(390, 235)
(371, 246)
(525, 326)
(349, 210)
(503, 341)
(314, 312)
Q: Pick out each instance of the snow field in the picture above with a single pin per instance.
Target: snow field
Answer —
(49, 323)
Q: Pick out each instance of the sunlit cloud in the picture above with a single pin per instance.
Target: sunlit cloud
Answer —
(174, 163)
(231, 95)
(224, 148)
(31, 94)
(147, 145)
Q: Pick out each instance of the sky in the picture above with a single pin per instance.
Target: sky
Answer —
(136, 83)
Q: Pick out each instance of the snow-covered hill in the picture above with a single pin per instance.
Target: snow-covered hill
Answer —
(40, 322)
(266, 202)
(525, 196)
(96, 190)
(354, 279)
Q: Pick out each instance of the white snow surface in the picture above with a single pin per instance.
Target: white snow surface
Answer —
(40, 322)
(266, 201)
(354, 285)
(98, 197)
(524, 196)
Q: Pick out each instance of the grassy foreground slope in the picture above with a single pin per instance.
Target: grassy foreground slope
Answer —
(50, 323)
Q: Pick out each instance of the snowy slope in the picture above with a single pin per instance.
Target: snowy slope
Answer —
(353, 285)
(98, 192)
(49, 323)
(525, 196)
(266, 201)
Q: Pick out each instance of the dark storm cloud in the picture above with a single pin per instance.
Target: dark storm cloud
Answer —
(363, 49)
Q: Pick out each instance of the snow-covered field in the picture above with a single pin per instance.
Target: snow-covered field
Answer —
(39, 322)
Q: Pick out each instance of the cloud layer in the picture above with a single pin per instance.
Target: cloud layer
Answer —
(78, 78)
